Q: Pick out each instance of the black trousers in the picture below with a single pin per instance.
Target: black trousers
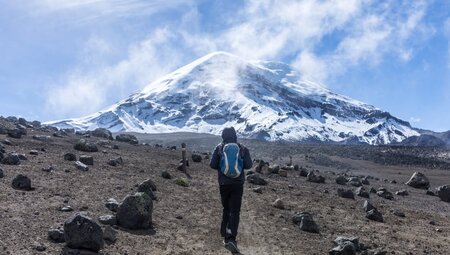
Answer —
(231, 196)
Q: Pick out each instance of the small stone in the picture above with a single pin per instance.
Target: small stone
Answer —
(56, 235)
(196, 158)
(182, 182)
(34, 152)
(108, 220)
(1, 173)
(40, 247)
(278, 204)
(70, 157)
(47, 169)
(306, 222)
(399, 213)
(22, 182)
(166, 175)
(341, 180)
(282, 173)
(374, 215)
(66, 208)
(81, 166)
(115, 161)
(112, 204)
(258, 190)
(256, 179)
(402, 192)
(348, 193)
(87, 160)
(361, 191)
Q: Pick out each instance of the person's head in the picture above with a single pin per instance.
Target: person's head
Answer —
(229, 135)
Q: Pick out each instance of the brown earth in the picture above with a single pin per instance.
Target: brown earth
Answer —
(26, 216)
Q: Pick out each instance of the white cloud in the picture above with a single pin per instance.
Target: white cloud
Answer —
(93, 85)
(363, 32)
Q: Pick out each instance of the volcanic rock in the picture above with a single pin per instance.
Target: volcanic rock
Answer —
(81, 232)
(135, 212)
(418, 180)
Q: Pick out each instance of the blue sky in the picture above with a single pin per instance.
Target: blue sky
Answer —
(64, 59)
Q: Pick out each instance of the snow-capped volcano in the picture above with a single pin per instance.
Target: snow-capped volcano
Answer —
(263, 100)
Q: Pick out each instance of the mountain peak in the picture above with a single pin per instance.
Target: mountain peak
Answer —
(263, 100)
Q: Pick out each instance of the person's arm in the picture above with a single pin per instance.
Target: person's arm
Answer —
(215, 159)
(248, 163)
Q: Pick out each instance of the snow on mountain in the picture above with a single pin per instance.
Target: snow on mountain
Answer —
(262, 100)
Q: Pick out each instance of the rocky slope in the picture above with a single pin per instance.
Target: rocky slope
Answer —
(262, 100)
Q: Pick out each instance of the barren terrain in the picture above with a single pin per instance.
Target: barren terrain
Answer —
(186, 219)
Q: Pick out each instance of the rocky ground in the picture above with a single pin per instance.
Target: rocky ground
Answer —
(186, 219)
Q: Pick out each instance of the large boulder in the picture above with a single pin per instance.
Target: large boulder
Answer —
(314, 176)
(11, 159)
(305, 222)
(354, 181)
(443, 192)
(374, 215)
(22, 182)
(127, 138)
(419, 181)
(83, 145)
(102, 133)
(345, 246)
(384, 193)
(70, 156)
(361, 191)
(81, 232)
(56, 235)
(135, 211)
(115, 161)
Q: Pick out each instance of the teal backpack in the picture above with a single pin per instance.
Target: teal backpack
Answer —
(231, 162)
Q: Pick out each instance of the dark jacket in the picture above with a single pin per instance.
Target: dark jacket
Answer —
(215, 164)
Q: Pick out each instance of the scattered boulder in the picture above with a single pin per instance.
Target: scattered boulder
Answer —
(42, 138)
(345, 246)
(127, 138)
(85, 146)
(112, 204)
(399, 213)
(365, 181)
(382, 192)
(314, 176)
(430, 193)
(361, 191)
(258, 190)
(274, 169)
(182, 182)
(87, 160)
(16, 133)
(70, 157)
(373, 190)
(303, 172)
(108, 220)
(102, 133)
(196, 158)
(56, 235)
(402, 192)
(148, 186)
(115, 161)
(81, 232)
(443, 192)
(306, 222)
(347, 193)
(22, 157)
(11, 159)
(368, 206)
(341, 180)
(135, 211)
(60, 134)
(22, 182)
(374, 215)
(354, 181)
(166, 175)
(282, 173)
(419, 181)
(256, 179)
(278, 204)
(81, 166)
(109, 234)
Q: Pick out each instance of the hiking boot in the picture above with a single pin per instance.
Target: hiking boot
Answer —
(232, 247)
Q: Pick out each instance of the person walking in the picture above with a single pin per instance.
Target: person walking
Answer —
(230, 159)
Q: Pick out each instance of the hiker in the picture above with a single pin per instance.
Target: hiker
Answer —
(230, 159)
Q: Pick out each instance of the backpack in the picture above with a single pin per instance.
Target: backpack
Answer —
(231, 161)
